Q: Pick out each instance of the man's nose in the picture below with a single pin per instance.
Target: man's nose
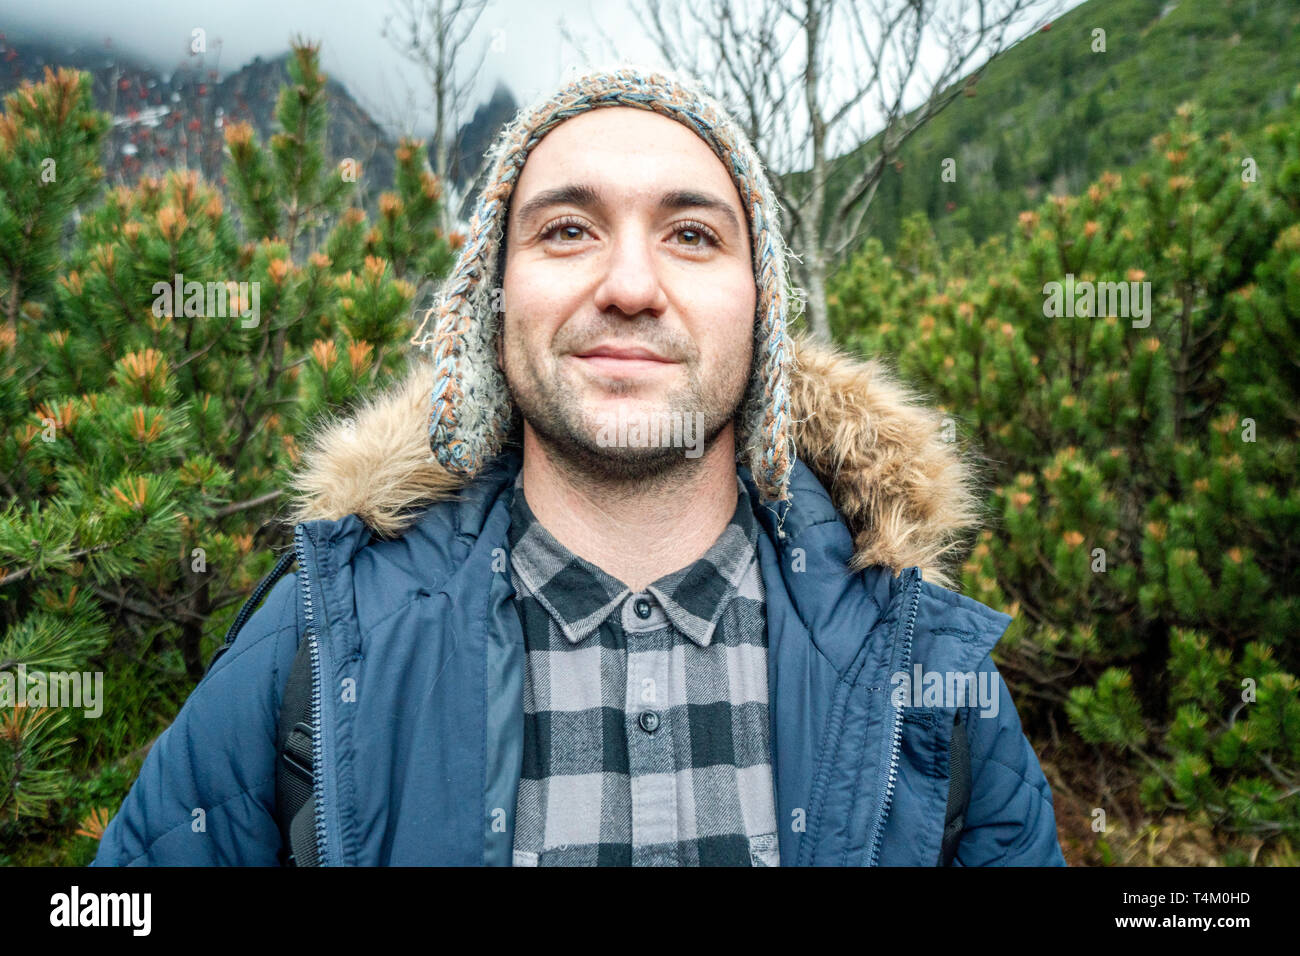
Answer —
(631, 281)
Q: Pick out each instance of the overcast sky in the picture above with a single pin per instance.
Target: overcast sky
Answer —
(522, 37)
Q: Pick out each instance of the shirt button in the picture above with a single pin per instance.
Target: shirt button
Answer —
(642, 608)
(649, 721)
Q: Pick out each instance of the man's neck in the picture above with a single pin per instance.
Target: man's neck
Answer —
(637, 531)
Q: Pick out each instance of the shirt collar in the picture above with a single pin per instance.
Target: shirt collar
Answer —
(578, 595)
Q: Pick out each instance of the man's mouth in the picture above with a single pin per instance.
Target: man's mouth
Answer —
(620, 360)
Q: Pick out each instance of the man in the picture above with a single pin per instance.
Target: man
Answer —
(645, 607)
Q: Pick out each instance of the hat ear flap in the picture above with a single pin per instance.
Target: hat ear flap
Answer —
(469, 414)
(772, 449)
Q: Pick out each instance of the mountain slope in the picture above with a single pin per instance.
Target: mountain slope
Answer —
(1050, 115)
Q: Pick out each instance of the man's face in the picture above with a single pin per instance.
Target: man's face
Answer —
(629, 293)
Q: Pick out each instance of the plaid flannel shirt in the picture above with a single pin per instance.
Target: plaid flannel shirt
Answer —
(645, 713)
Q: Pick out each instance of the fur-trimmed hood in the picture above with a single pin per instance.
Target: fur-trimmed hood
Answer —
(906, 495)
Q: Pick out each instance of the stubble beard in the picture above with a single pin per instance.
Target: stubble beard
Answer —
(548, 402)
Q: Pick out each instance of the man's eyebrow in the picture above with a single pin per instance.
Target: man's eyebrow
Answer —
(574, 194)
(585, 197)
(690, 199)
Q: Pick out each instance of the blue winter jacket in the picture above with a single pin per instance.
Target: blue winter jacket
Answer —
(418, 670)
(418, 667)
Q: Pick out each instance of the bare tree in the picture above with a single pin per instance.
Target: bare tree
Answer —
(802, 76)
(433, 35)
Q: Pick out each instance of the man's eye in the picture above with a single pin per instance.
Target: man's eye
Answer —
(566, 229)
(702, 236)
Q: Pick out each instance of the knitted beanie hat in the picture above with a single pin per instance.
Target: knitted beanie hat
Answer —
(471, 410)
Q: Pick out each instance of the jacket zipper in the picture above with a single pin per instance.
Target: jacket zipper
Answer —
(318, 792)
(895, 747)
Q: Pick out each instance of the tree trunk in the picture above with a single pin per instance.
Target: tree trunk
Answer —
(815, 311)
(813, 247)
(192, 629)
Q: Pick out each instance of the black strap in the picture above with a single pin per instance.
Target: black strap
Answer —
(954, 820)
(295, 804)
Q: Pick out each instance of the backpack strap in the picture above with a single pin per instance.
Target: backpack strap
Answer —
(954, 819)
(295, 806)
(295, 801)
